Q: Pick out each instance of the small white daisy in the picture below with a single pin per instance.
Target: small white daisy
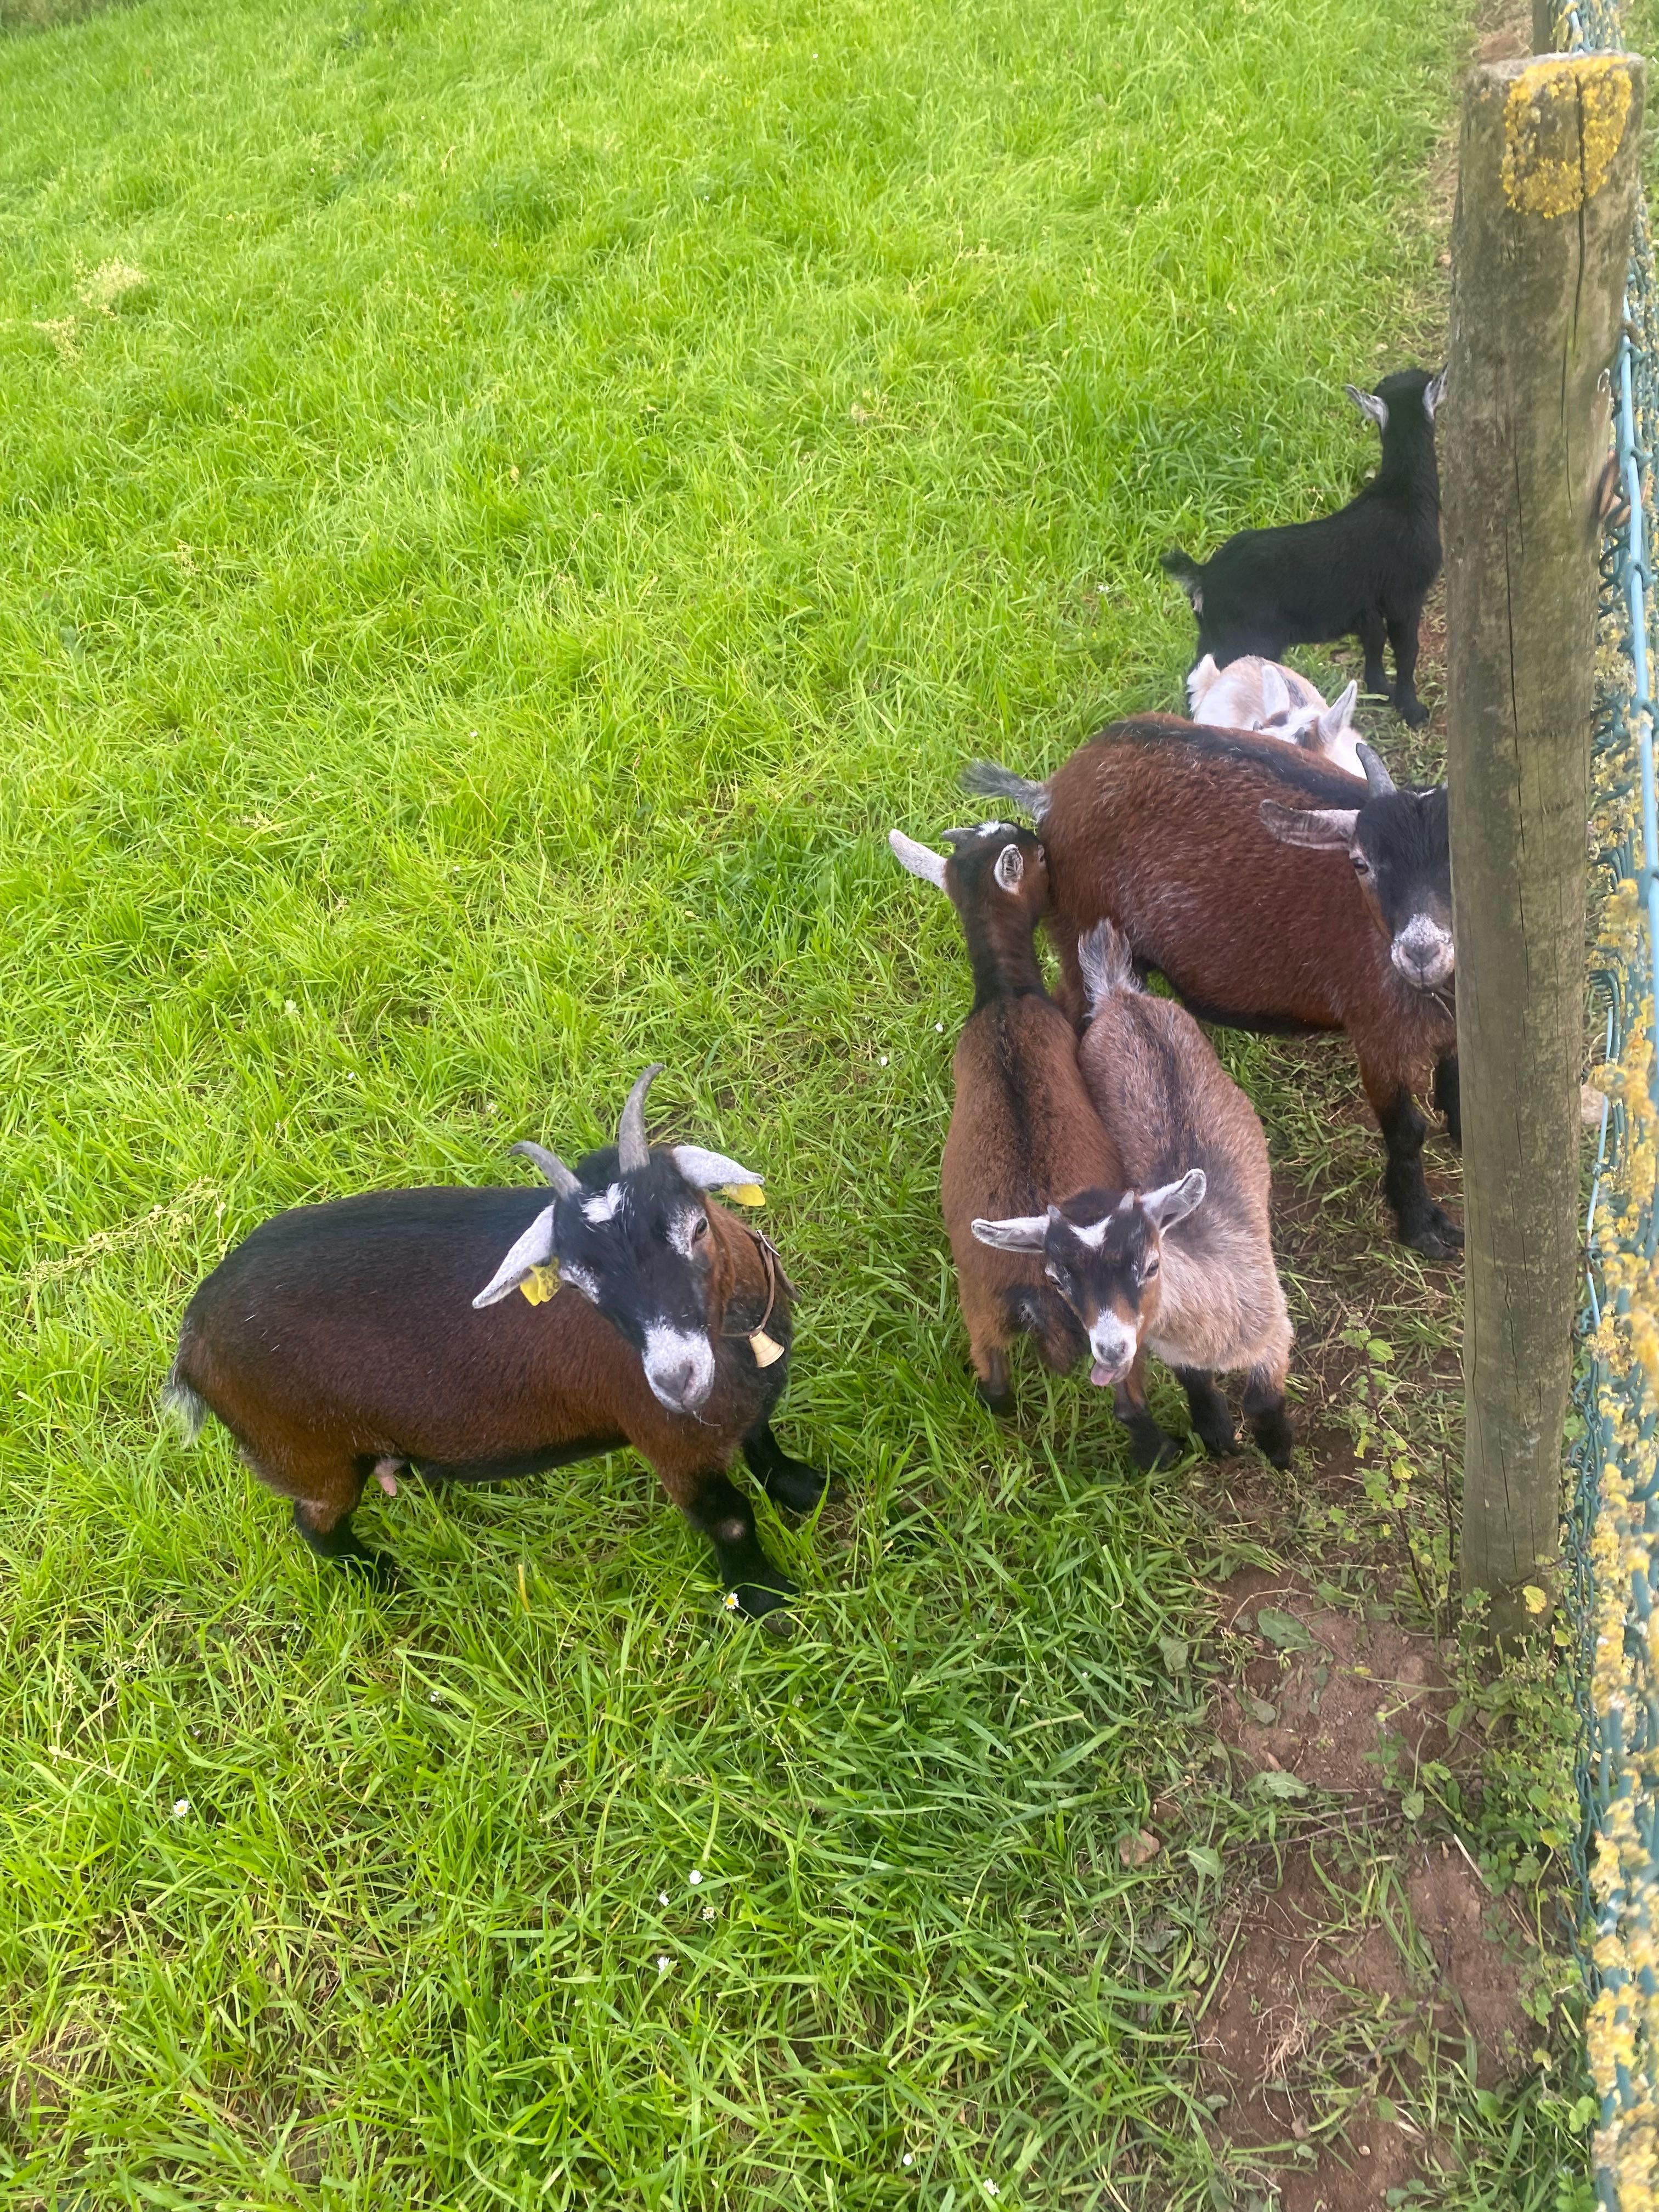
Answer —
(694, 1876)
(662, 1897)
(180, 1807)
(664, 1962)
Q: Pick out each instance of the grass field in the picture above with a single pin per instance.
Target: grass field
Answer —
(501, 507)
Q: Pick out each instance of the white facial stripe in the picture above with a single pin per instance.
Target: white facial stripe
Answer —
(680, 1365)
(681, 1230)
(605, 1205)
(1093, 1234)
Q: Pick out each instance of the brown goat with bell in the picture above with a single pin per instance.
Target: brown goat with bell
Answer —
(343, 1342)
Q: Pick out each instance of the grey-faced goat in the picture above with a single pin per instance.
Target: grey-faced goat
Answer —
(350, 1340)
(1182, 1264)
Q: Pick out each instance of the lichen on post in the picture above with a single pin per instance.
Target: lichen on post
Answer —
(1540, 242)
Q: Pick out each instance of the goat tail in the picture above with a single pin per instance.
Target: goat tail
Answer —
(1187, 573)
(1107, 966)
(186, 1406)
(991, 781)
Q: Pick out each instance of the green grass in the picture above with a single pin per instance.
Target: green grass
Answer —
(500, 507)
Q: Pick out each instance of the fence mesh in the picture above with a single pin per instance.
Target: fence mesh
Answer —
(1614, 1524)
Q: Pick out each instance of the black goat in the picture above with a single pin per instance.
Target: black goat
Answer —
(1363, 571)
(346, 1341)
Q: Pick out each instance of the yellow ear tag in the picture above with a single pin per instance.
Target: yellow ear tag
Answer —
(744, 1194)
(540, 1284)
(767, 1350)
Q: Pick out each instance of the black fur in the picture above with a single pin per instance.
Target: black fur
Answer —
(1363, 571)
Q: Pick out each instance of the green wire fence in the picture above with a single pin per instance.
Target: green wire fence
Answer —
(1614, 1525)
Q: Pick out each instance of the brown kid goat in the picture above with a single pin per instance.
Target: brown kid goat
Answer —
(1193, 841)
(1023, 1133)
(348, 1340)
(1182, 1264)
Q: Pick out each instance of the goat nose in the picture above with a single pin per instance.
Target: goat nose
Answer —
(679, 1368)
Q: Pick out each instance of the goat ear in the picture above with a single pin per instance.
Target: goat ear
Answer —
(1323, 828)
(1433, 392)
(1201, 680)
(1010, 867)
(1173, 1201)
(532, 1250)
(1339, 714)
(1275, 693)
(1025, 1232)
(1369, 403)
(920, 860)
(713, 1172)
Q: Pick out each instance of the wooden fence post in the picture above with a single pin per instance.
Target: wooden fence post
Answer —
(1541, 245)
(1543, 26)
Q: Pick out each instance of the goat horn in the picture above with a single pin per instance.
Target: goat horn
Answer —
(1378, 782)
(550, 1165)
(632, 1150)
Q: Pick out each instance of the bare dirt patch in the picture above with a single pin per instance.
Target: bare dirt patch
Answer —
(1365, 1958)
(1341, 1701)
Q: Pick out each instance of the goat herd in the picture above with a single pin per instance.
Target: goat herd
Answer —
(1105, 1183)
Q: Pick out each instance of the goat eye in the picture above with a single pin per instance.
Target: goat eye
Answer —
(1362, 866)
(1149, 1269)
(700, 1229)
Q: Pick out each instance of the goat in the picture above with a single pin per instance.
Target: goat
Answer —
(1364, 570)
(1187, 839)
(345, 1341)
(1253, 693)
(1023, 1131)
(1182, 1264)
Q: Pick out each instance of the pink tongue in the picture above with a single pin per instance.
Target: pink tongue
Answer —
(1098, 1375)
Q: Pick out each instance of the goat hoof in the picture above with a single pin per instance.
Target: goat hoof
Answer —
(1218, 1444)
(797, 1486)
(999, 1402)
(1413, 713)
(1276, 1441)
(1440, 1237)
(756, 1600)
(1152, 1449)
(377, 1569)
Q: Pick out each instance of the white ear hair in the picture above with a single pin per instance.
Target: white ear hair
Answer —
(919, 859)
(1433, 392)
(1010, 867)
(1275, 692)
(1173, 1201)
(1024, 1232)
(1369, 403)
(706, 1170)
(1201, 680)
(1339, 714)
(1323, 828)
(533, 1249)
